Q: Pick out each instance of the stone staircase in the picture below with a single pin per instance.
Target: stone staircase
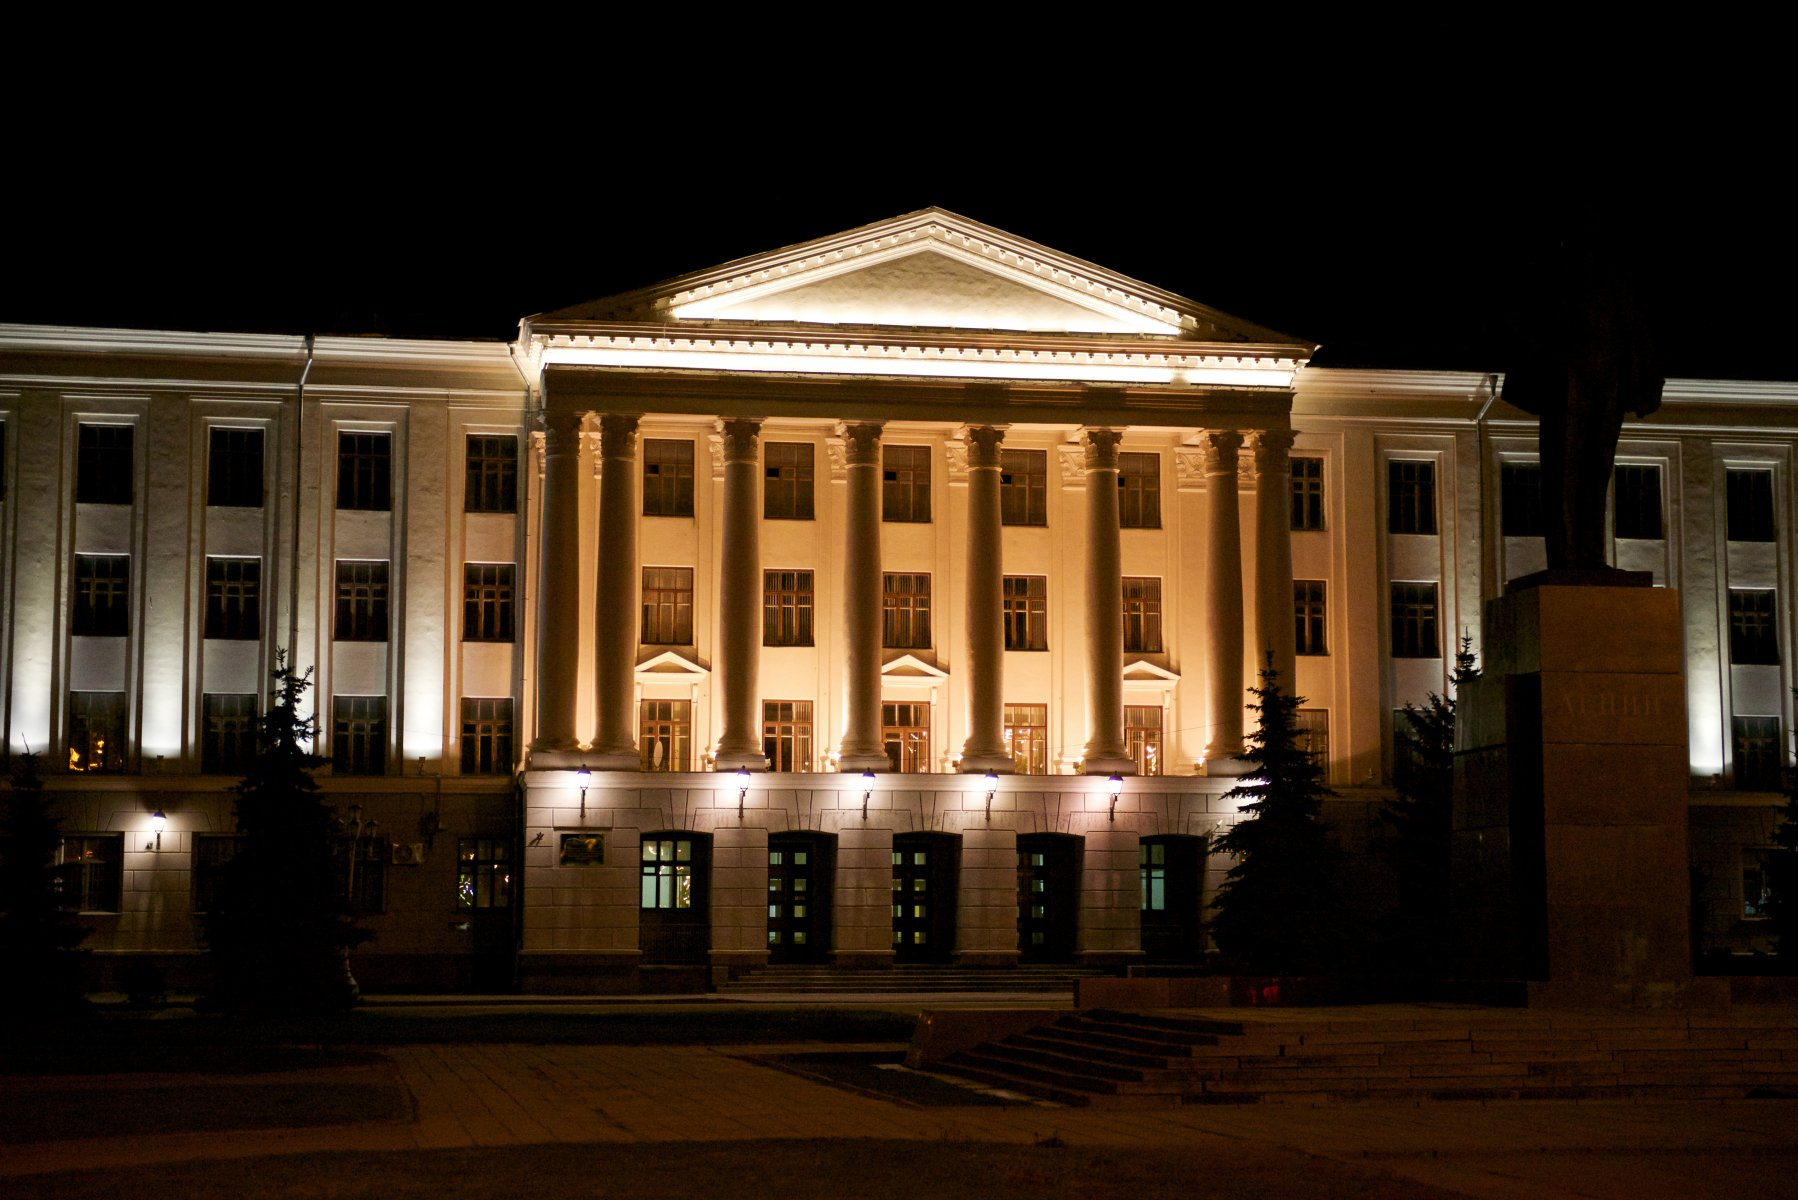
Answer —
(906, 978)
(1379, 1053)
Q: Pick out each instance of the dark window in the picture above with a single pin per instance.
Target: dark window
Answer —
(1139, 491)
(359, 735)
(487, 605)
(905, 612)
(483, 873)
(1753, 626)
(786, 608)
(234, 469)
(491, 483)
(787, 482)
(667, 477)
(1638, 502)
(234, 598)
(359, 865)
(103, 464)
(486, 735)
(89, 871)
(1410, 496)
(666, 734)
(1757, 888)
(905, 732)
(365, 471)
(905, 490)
(787, 734)
(1024, 487)
(102, 595)
(1142, 737)
(1310, 617)
(361, 601)
(1142, 614)
(1027, 737)
(1026, 613)
(1314, 733)
(97, 732)
(1759, 756)
(667, 606)
(228, 742)
(1520, 499)
(667, 873)
(1307, 493)
(212, 853)
(1750, 505)
(1414, 620)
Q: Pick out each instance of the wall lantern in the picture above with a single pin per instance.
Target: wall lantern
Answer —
(157, 821)
(1116, 786)
(742, 789)
(582, 778)
(867, 790)
(992, 785)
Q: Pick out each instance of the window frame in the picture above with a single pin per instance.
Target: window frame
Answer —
(112, 740)
(1750, 507)
(1027, 738)
(1311, 617)
(105, 462)
(97, 868)
(235, 467)
(359, 735)
(1411, 496)
(667, 606)
(787, 731)
(1142, 615)
(490, 473)
(787, 481)
(1754, 627)
(668, 477)
(363, 601)
(102, 596)
(788, 603)
(233, 605)
(1024, 610)
(1307, 484)
(666, 723)
(905, 484)
(1521, 513)
(487, 735)
(1024, 487)
(905, 735)
(1416, 618)
(905, 610)
(483, 873)
(1757, 753)
(364, 470)
(1143, 737)
(489, 602)
(227, 738)
(660, 872)
(1139, 489)
(1639, 501)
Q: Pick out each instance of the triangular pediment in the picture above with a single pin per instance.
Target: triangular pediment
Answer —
(1142, 671)
(670, 666)
(911, 668)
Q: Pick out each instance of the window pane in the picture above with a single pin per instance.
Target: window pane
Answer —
(1410, 497)
(490, 484)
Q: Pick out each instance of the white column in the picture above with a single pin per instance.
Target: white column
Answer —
(615, 647)
(740, 602)
(1104, 754)
(558, 584)
(860, 749)
(1223, 600)
(985, 748)
(1273, 553)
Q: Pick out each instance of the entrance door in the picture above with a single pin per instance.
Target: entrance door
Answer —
(1172, 867)
(1048, 896)
(924, 882)
(799, 886)
(675, 908)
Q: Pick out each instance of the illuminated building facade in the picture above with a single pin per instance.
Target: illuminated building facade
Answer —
(886, 598)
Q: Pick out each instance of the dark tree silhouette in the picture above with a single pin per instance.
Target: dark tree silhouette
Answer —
(1782, 880)
(39, 937)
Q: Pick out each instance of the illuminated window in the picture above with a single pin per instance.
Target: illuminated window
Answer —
(1139, 491)
(1637, 510)
(365, 472)
(1410, 496)
(490, 483)
(667, 606)
(228, 742)
(487, 605)
(483, 873)
(1309, 617)
(787, 481)
(667, 477)
(787, 734)
(905, 612)
(1142, 737)
(234, 598)
(234, 468)
(103, 472)
(786, 608)
(1027, 738)
(905, 486)
(1753, 627)
(1414, 621)
(1142, 615)
(361, 601)
(1026, 612)
(486, 735)
(666, 729)
(359, 735)
(89, 872)
(102, 596)
(97, 732)
(1520, 499)
(905, 732)
(1152, 868)
(1307, 493)
(667, 873)
(1759, 753)
(1024, 487)
(1750, 494)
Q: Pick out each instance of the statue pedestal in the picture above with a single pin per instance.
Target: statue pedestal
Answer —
(1571, 773)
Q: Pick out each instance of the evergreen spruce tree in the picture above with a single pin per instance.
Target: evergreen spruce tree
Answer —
(1280, 910)
(280, 931)
(1782, 881)
(39, 938)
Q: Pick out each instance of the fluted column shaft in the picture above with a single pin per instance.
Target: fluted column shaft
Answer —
(1273, 553)
(615, 745)
(1223, 598)
(740, 602)
(860, 749)
(984, 749)
(1104, 754)
(558, 584)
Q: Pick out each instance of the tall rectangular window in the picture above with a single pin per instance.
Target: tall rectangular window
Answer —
(905, 611)
(1414, 621)
(1142, 737)
(487, 602)
(89, 872)
(905, 483)
(667, 606)
(1637, 507)
(228, 742)
(486, 735)
(359, 735)
(1314, 733)
(665, 734)
(1750, 495)
(97, 732)
(1753, 626)
(365, 472)
(1307, 493)
(361, 601)
(1758, 753)
(1520, 499)
(102, 596)
(1024, 487)
(1139, 491)
(1142, 614)
(234, 598)
(1310, 618)
(490, 484)
(905, 732)
(787, 481)
(787, 734)
(667, 873)
(213, 852)
(1027, 737)
(234, 468)
(103, 473)
(667, 477)
(1410, 496)
(1026, 612)
(483, 873)
(786, 608)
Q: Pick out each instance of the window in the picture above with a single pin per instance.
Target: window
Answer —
(667, 728)
(667, 606)
(361, 601)
(1151, 858)
(1027, 738)
(228, 742)
(234, 468)
(787, 734)
(103, 464)
(359, 735)
(97, 732)
(905, 732)
(1750, 505)
(1142, 737)
(1139, 491)
(491, 482)
(2, 460)
(1637, 511)
(1307, 493)
(1142, 615)
(787, 481)
(905, 487)
(667, 477)
(212, 853)
(1309, 617)
(1753, 629)
(102, 595)
(487, 602)
(89, 870)
(1026, 614)
(667, 873)
(1314, 733)
(1410, 496)
(786, 608)
(234, 598)
(365, 472)
(1757, 889)
(359, 867)
(1520, 499)
(1414, 620)
(1759, 755)
(905, 612)
(483, 872)
(1024, 487)
(486, 735)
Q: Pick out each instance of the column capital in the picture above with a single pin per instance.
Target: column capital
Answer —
(561, 432)
(1221, 447)
(1271, 447)
(1101, 448)
(861, 442)
(983, 445)
(738, 439)
(618, 435)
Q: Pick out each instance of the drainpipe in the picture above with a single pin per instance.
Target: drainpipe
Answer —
(293, 564)
(1489, 587)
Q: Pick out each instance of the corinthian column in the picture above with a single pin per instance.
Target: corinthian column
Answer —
(1223, 600)
(615, 746)
(558, 583)
(985, 748)
(1273, 552)
(1104, 753)
(860, 749)
(740, 602)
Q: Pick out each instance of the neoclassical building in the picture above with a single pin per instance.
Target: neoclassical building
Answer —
(890, 597)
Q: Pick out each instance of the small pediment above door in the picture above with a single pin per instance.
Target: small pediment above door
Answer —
(909, 668)
(671, 666)
(1142, 671)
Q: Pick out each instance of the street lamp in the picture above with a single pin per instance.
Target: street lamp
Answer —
(157, 821)
(867, 790)
(992, 785)
(742, 789)
(582, 778)
(1116, 786)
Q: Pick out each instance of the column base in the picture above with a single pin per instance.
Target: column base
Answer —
(982, 762)
(746, 760)
(854, 761)
(1107, 764)
(1226, 767)
(555, 758)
